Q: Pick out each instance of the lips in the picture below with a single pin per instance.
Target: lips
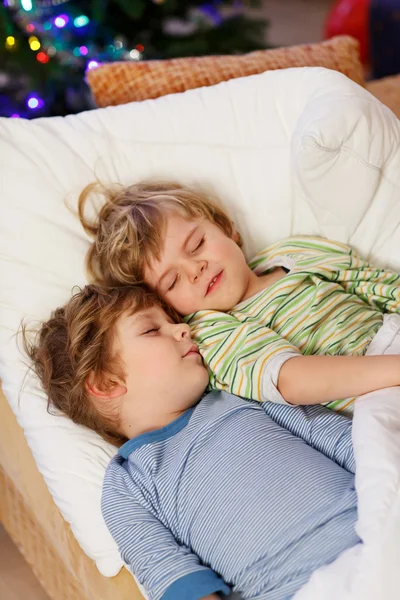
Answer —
(214, 283)
(192, 350)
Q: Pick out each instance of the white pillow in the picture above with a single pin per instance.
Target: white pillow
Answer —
(295, 151)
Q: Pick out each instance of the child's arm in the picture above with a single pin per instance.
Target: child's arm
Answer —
(253, 361)
(319, 379)
(166, 569)
(322, 429)
(340, 263)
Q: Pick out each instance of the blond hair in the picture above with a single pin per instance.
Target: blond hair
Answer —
(77, 341)
(129, 228)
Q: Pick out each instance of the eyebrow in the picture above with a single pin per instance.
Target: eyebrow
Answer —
(183, 247)
(141, 316)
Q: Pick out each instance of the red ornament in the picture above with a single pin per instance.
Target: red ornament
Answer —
(350, 17)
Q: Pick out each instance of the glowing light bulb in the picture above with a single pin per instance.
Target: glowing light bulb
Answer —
(10, 41)
(42, 57)
(81, 21)
(26, 5)
(34, 43)
(61, 21)
(92, 64)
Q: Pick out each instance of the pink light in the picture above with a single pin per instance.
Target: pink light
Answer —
(15, 116)
(61, 21)
(83, 50)
(92, 64)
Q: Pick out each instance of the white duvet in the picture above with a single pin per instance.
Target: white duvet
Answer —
(300, 151)
(370, 571)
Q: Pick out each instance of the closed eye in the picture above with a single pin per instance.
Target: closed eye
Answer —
(173, 284)
(199, 245)
(153, 329)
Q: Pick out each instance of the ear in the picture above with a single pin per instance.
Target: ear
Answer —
(107, 387)
(236, 237)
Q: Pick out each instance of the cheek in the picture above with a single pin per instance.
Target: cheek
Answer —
(224, 248)
(159, 357)
(184, 299)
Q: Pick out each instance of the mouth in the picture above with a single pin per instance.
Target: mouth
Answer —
(193, 351)
(215, 281)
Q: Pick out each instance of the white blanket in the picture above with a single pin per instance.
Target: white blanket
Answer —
(370, 571)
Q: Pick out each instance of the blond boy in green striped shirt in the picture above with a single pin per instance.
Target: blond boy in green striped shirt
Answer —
(292, 327)
(329, 302)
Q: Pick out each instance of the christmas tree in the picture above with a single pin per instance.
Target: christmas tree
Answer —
(47, 45)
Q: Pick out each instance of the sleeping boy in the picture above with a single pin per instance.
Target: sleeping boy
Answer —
(292, 327)
(207, 493)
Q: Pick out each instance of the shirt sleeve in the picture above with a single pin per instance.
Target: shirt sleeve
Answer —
(166, 569)
(337, 262)
(242, 358)
(380, 288)
(324, 430)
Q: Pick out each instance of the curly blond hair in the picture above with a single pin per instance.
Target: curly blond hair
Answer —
(77, 341)
(129, 228)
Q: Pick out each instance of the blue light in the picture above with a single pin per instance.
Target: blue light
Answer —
(33, 102)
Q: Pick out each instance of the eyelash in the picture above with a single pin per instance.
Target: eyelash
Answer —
(171, 287)
(199, 245)
(151, 330)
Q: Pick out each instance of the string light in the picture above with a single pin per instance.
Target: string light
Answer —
(33, 102)
(134, 54)
(92, 64)
(10, 42)
(80, 51)
(41, 20)
(26, 5)
(81, 21)
(42, 57)
(34, 43)
(61, 21)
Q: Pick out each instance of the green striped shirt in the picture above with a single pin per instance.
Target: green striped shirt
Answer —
(330, 302)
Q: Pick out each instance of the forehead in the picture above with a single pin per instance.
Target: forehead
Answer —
(136, 314)
(177, 232)
(177, 226)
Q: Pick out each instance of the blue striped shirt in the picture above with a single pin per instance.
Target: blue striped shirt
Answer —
(233, 495)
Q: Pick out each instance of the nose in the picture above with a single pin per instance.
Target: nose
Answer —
(181, 331)
(195, 270)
